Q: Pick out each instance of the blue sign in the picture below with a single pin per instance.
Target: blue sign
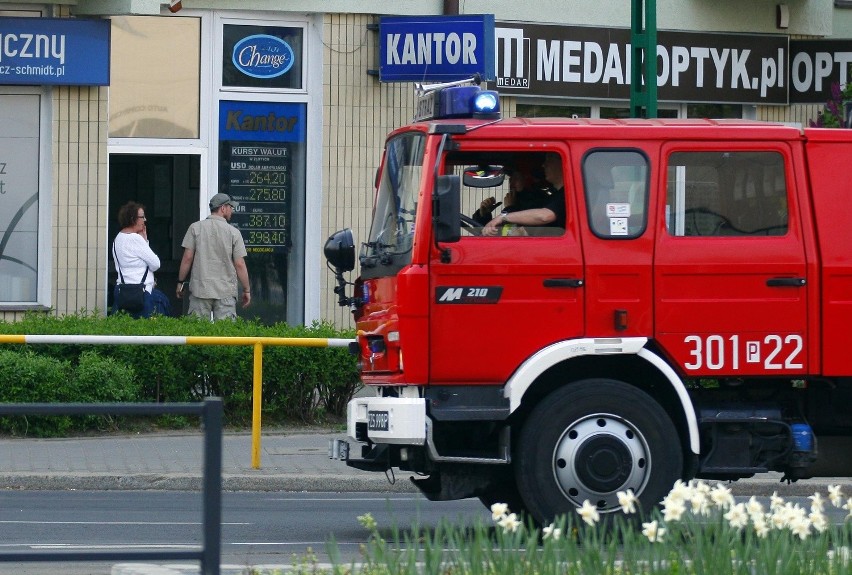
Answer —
(54, 51)
(436, 48)
(262, 121)
(263, 56)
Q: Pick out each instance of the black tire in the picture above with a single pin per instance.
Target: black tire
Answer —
(591, 439)
(504, 490)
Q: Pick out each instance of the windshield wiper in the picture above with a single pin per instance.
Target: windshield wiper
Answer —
(381, 255)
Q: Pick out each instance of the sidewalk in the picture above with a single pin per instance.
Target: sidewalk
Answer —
(289, 461)
(295, 460)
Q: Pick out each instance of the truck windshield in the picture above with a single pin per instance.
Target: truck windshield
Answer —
(392, 232)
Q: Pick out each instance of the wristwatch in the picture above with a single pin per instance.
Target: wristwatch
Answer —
(504, 219)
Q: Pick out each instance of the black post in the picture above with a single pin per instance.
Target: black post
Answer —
(212, 489)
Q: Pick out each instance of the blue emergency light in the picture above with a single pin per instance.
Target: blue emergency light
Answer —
(458, 102)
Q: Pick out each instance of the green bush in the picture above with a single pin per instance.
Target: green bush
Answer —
(26, 377)
(299, 383)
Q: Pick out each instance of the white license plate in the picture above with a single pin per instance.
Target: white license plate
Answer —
(378, 420)
(425, 107)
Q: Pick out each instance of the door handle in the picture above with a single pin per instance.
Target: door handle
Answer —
(560, 282)
(786, 282)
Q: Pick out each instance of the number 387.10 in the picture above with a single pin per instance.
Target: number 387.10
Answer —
(716, 352)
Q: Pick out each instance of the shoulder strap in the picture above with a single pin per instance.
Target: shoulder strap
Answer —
(118, 265)
(120, 275)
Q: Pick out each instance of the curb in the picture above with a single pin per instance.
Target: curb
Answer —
(189, 482)
(297, 483)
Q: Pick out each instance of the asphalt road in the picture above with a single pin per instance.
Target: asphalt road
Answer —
(257, 528)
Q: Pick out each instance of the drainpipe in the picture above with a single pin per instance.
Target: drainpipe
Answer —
(451, 7)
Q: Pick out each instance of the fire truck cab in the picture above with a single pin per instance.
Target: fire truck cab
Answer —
(683, 316)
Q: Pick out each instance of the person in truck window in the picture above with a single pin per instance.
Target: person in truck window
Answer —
(526, 191)
(552, 214)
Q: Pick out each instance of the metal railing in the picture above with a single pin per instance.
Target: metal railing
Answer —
(210, 411)
(256, 342)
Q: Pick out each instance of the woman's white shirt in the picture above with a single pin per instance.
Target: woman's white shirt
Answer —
(132, 254)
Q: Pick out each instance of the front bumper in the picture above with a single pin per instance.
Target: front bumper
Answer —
(392, 420)
(374, 423)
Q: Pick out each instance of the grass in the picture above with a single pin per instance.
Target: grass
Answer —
(697, 530)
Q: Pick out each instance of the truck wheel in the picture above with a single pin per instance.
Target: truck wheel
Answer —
(504, 490)
(590, 440)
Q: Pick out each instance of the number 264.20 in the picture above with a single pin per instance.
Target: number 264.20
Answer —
(715, 352)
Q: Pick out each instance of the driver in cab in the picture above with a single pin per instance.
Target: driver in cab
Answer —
(551, 214)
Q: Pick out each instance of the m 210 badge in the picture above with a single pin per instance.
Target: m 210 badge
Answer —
(468, 294)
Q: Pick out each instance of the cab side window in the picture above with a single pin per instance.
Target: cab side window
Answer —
(503, 182)
(616, 189)
(722, 193)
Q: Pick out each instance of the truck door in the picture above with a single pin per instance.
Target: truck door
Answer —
(730, 266)
(617, 239)
(500, 299)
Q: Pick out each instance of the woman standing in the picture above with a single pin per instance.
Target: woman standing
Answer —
(134, 260)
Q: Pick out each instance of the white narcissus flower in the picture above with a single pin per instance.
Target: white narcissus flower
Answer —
(509, 522)
(681, 491)
(673, 509)
(800, 527)
(589, 513)
(795, 511)
(817, 502)
(754, 507)
(775, 501)
(761, 528)
(700, 503)
(701, 486)
(848, 507)
(653, 531)
(627, 500)
(737, 516)
(778, 518)
(818, 520)
(835, 495)
(552, 532)
(721, 496)
(498, 511)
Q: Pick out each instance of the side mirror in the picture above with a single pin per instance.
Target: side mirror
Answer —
(446, 209)
(484, 176)
(339, 250)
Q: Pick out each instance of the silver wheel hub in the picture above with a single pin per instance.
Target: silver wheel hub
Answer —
(598, 456)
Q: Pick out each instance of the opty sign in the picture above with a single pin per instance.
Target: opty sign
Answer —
(436, 48)
(585, 62)
(815, 65)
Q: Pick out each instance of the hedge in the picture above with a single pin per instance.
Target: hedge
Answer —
(307, 385)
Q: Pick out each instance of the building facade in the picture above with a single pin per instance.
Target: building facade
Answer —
(181, 116)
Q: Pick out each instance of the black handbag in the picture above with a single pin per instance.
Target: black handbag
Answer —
(129, 297)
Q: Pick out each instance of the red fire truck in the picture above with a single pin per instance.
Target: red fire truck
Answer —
(687, 318)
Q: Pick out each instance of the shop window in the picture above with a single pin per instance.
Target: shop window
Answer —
(611, 113)
(716, 111)
(154, 77)
(726, 194)
(20, 184)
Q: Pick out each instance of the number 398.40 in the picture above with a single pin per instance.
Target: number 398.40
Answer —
(773, 352)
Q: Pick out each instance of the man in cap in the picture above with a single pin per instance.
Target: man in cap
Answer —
(214, 253)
